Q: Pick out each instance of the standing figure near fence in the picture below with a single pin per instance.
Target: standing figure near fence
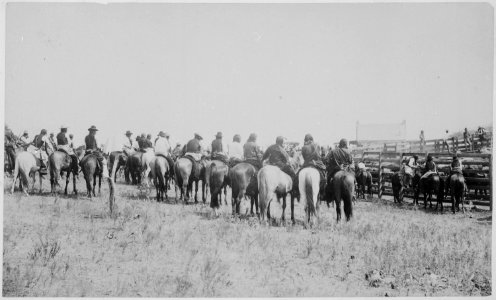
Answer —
(445, 141)
(466, 140)
(422, 140)
(481, 132)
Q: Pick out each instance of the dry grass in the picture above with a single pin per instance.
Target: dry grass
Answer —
(58, 246)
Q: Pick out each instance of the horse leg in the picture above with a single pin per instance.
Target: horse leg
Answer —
(67, 182)
(40, 180)
(204, 192)
(99, 184)
(283, 209)
(74, 188)
(94, 185)
(292, 210)
(196, 192)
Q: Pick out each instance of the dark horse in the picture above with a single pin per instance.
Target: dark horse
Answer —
(243, 179)
(121, 159)
(401, 183)
(429, 186)
(60, 162)
(217, 178)
(135, 167)
(457, 190)
(89, 165)
(364, 179)
(344, 189)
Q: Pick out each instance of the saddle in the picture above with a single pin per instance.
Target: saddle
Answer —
(234, 161)
(162, 155)
(218, 156)
(256, 163)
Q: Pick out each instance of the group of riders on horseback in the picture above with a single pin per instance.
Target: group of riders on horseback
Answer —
(337, 159)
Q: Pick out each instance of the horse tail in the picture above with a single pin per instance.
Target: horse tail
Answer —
(309, 193)
(347, 194)
(263, 190)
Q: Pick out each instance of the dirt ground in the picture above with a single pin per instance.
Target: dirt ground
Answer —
(71, 246)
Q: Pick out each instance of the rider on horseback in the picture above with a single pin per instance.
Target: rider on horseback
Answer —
(235, 151)
(92, 148)
(127, 146)
(279, 157)
(41, 142)
(430, 167)
(455, 168)
(24, 140)
(193, 150)
(163, 148)
(218, 149)
(252, 152)
(312, 158)
(409, 169)
(338, 159)
(63, 144)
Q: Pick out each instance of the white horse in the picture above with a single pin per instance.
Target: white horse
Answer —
(309, 185)
(26, 165)
(147, 162)
(273, 183)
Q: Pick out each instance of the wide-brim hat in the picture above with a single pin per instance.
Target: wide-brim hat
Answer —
(129, 133)
(25, 132)
(197, 135)
(64, 126)
(92, 128)
(218, 135)
(161, 134)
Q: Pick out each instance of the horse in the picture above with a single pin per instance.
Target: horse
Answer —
(146, 168)
(10, 153)
(134, 165)
(344, 189)
(161, 173)
(89, 165)
(399, 185)
(457, 190)
(309, 186)
(364, 179)
(183, 169)
(26, 165)
(121, 159)
(217, 179)
(60, 162)
(243, 179)
(429, 186)
(273, 183)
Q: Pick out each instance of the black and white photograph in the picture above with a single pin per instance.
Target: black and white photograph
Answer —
(235, 150)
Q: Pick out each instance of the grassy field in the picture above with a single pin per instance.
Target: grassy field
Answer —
(68, 246)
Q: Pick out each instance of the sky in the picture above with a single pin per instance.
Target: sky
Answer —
(272, 69)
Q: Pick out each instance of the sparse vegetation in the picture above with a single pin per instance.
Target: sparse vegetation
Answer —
(73, 247)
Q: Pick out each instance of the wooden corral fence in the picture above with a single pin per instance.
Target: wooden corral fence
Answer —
(477, 170)
(434, 145)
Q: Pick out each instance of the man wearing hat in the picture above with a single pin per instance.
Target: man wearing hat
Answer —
(177, 152)
(41, 142)
(24, 140)
(311, 158)
(193, 150)
(63, 142)
(92, 148)
(163, 148)
(235, 151)
(339, 159)
(127, 146)
(277, 156)
(251, 151)
(218, 149)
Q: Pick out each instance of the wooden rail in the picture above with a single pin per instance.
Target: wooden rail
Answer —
(477, 169)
